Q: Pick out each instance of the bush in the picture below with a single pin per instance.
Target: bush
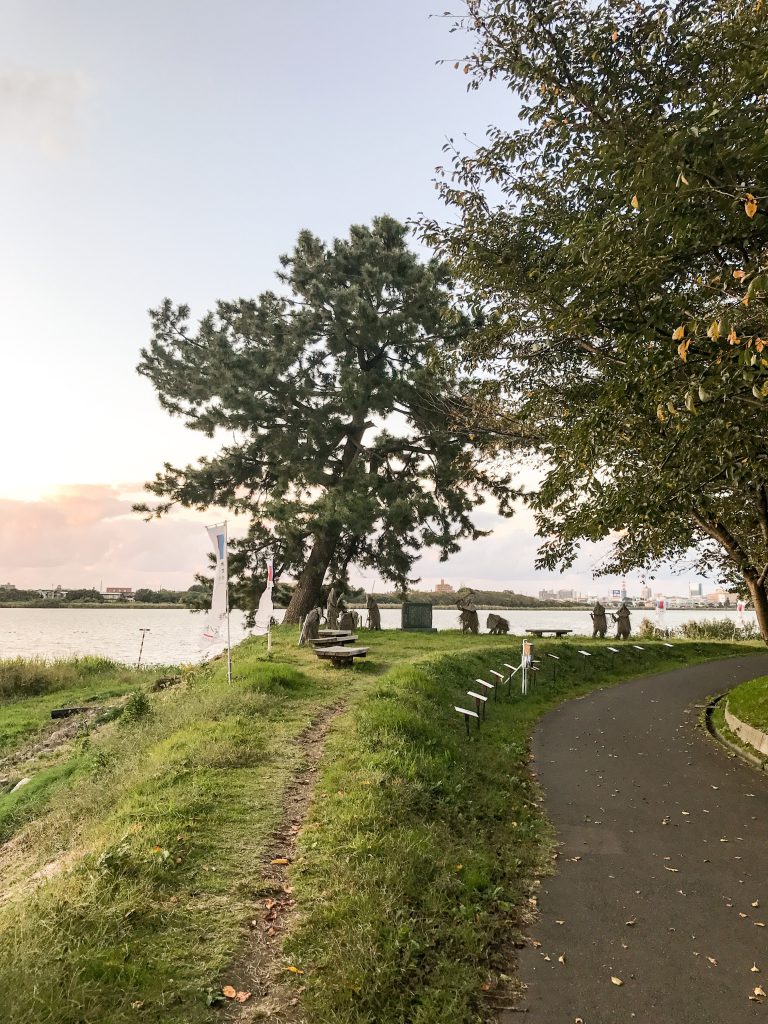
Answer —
(718, 629)
(137, 706)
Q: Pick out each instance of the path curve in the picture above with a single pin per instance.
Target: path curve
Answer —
(658, 825)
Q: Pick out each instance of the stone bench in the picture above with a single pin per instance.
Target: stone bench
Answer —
(555, 632)
(331, 641)
(340, 657)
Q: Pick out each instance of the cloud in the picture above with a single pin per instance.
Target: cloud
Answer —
(42, 109)
(84, 534)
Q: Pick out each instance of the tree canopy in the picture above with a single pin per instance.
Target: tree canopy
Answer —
(617, 238)
(323, 393)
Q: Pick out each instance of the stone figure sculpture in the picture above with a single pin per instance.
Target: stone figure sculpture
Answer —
(621, 618)
(311, 627)
(347, 621)
(332, 612)
(497, 625)
(468, 620)
(374, 615)
(599, 621)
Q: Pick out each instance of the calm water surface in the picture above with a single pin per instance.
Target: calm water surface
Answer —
(174, 635)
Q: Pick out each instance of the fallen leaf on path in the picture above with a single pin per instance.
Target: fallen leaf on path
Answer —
(755, 969)
(561, 958)
(280, 860)
(243, 997)
(674, 870)
(229, 991)
(631, 922)
(712, 961)
(137, 1004)
(759, 924)
(756, 903)
(616, 981)
(759, 991)
(294, 970)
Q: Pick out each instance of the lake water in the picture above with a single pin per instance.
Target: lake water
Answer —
(174, 635)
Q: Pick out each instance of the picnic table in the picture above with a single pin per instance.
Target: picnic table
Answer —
(341, 656)
(555, 632)
(329, 641)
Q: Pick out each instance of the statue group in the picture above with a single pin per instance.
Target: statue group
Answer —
(338, 616)
(600, 622)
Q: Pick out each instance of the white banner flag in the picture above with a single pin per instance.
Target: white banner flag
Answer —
(215, 633)
(266, 608)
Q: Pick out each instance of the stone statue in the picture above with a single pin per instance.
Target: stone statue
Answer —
(311, 627)
(347, 621)
(621, 618)
(332, 612)
(374, 615)
(468, 620)
(599, 621)
(497, 625)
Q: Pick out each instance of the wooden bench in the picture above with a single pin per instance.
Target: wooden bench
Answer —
(331, 641)
(332, 632)
(555, 632)
(341, 656)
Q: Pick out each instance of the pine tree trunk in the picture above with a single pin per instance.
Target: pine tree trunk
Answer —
(759, 597)
(306, 596)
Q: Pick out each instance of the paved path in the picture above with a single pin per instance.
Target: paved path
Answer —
(660, 827)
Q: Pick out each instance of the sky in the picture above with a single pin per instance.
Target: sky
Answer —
(176, 148)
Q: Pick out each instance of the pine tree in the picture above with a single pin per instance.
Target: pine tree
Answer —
(336, 448)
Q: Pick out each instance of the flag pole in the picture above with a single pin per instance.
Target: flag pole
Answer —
(226, 592)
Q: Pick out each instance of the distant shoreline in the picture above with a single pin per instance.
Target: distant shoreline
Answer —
(148, 606)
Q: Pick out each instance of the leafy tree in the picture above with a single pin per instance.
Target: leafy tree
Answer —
(618, 236)
(90, 596)
(339, 453)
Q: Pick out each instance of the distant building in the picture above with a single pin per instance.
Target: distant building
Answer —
(8, 586)
(720, 597)
(444, 588)
(646, 594)
(547, 595)
(695, 590)
(118, 594)
(53, 595)
(566, 595)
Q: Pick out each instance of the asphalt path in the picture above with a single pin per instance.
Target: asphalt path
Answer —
(661, 878)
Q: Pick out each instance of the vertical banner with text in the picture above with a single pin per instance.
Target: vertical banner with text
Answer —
(216, 631)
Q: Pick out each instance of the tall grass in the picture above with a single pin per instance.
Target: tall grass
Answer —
(30, 677)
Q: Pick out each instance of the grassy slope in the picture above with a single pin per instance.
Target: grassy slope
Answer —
(153, 843)
(749, 702)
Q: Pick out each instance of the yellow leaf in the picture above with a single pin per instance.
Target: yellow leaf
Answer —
(635, 203)
(713, 331)
(615, 36)
(616, 981)
(280, 860)
(745, 300)
(243, 997)
(759, 344)
(756, 902)
(682, 349)
(739, 275)
(294, 970)
(712, 961)
(561, 958)
(759, 991)
(733, 337)
(678, 334)
(755, 969)
(750, 205)
(684, 179)
(229, 991)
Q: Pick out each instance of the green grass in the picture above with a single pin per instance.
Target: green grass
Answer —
(420, 853)
(749, 702)
(423, 848)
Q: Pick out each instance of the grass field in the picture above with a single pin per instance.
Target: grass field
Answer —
(129, 880)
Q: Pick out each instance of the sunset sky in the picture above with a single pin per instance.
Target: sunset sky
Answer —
(176, 148)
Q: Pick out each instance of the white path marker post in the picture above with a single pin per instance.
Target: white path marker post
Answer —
(555, 660)
(487, 687)
(467, 716)
(525, 664)
(513, 670)
(480, 701)
(500, 681)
